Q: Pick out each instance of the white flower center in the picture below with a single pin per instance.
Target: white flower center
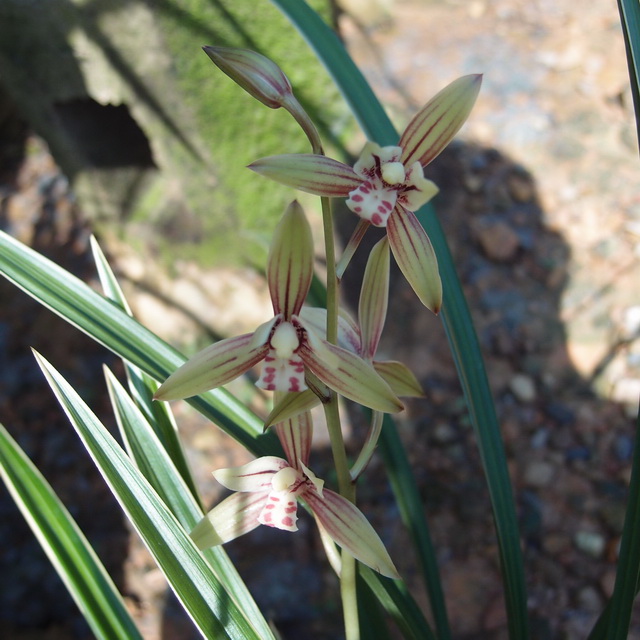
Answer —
(284, 479)
(284, 340)
(392, 172)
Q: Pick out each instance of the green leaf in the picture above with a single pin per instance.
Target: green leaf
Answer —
(393, 596)
(210, 606)
(614, 622)
(109, 325)
(455, 313)
(65, 545)
(412, 513)
(152, 459)
(630, 19)
(141, 385)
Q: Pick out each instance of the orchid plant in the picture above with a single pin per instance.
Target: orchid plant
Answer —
(303, 359)
(308, 357)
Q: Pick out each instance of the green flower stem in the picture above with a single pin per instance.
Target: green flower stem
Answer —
(345, 485)
(369, 446)
(302, 118)
(351, 247)
(332, 414)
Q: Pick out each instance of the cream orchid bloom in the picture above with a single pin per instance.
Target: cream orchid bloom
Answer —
(387, 184)
(288, 346)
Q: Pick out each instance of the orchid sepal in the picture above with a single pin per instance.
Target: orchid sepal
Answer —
(295, 435)
(348, 330)
(400, 378)
(435, 125)
(290, 262)
(416, 258)
(311, 173)
(212, 367)
(349, 375)
(347, 527)
(374, 298)
(292, 405)
(256, 74)
(228, 520)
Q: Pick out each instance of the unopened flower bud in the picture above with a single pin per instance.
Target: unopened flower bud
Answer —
(255, 73)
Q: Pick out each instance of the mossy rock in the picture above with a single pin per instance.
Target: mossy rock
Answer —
(155, 138)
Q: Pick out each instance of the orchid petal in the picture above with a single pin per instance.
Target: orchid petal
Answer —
(290, 263)
(435, 125)
(282, 374)
(256, 475)
(373, 202)
(262, 334)
(421, 189)
(372, 156)
(415, 256)
(280, 511)
(313, 478)
(348, 330)
(400, 378)
(314, 174)
(349, 375)
(212, 367)
(233, 517)
(347, 526)
(295, 436)
(374, 298)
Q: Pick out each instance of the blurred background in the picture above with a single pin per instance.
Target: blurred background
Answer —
(114, 122)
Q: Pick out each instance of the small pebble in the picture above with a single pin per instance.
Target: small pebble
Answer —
(623, 447)
(631, 322)
(523, 387)
(590, 542)
(590, 599)
(498, 240)
(539, 474)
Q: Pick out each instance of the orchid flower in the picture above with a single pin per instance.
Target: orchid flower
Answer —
(289, 347)
(361, 339)
(267, 491)
(387, 184)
